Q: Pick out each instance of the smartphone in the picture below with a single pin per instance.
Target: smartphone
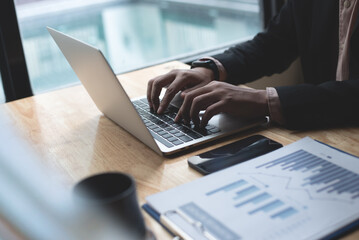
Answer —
(231, 154)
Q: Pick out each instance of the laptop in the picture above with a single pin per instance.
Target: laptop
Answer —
(159, 132)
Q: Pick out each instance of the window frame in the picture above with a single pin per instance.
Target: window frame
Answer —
(15, 77)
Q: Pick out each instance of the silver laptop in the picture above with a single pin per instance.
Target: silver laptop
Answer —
(159, 132)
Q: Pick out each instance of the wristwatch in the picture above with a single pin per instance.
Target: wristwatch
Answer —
(207, 63)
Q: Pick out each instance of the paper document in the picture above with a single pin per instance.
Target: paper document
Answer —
(306, 190)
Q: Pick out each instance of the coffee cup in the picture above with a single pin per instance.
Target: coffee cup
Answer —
(114, 193)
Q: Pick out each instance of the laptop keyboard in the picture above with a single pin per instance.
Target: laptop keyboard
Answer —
(165, 130)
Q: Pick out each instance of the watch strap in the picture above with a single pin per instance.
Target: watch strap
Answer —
(209, 64)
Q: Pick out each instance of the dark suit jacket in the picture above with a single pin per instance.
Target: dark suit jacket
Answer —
(307, 29)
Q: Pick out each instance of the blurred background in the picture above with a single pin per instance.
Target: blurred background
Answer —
(132, 34)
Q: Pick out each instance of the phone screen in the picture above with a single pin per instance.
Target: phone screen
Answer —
(231, 154)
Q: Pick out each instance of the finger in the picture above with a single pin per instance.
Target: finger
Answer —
(210, 112)
(156, 88)
(178, 117)
(202, 102)
(177, 85)
(149, 90)
(187, 103)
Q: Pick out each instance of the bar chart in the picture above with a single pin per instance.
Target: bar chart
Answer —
(331, 178)
(268, 207)
(246, 198)
(255, 200)
(228, 187)
(249, 196)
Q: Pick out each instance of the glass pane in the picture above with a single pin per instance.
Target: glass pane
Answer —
(2, 95)
(131, 34)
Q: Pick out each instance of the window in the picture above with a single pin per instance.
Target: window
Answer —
(131, 34)
(2, 96)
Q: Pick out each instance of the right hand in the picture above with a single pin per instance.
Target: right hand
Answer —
(176, 80)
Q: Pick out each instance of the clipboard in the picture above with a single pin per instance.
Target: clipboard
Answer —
(176, 230)
(330, 232)
(156, 216)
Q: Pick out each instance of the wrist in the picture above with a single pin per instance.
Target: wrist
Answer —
(208, 73)
(274, 106)
(263, 102)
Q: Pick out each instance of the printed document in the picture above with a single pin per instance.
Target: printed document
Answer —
(305, 190)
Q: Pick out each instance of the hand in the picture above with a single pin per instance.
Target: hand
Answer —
(219, 97)
(176, 80)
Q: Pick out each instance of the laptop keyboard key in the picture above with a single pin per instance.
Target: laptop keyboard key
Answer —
(153, 126)
(177, 142)
(179, 134)
(174, 131)
(161, 140)
(161, 132)
(185, 138)
(156, 121)
(194, 135)
(172, 139)
(181, 128)
(166, 136)
(170, 122)
(169, 129)
(163, 125)
(157, 129)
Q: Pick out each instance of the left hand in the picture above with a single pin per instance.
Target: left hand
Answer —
(219, 97)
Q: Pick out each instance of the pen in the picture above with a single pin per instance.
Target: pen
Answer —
(179, 233)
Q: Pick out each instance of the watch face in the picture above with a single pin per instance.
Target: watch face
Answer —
(202, 63)
(205, 61)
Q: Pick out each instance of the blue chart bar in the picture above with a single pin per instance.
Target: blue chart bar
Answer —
(210, 224)
(255, 200)
(268, 207)
(286, 159)
(334, 179)
(246, 192)
(285, 213)
(228, 187)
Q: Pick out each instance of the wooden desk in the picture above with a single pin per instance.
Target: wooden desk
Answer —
(72, 136)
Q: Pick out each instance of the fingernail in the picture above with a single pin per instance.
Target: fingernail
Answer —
(177, 118)
(159, 109)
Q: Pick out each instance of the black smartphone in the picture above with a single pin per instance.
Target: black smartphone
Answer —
(231, 154)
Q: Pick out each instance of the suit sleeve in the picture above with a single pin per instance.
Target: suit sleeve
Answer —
(329, 104)
(271, 51)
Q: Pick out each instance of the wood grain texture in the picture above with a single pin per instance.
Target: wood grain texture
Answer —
(74, 138)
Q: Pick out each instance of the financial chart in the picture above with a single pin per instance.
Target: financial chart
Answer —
(331, 177)
(306, 190)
